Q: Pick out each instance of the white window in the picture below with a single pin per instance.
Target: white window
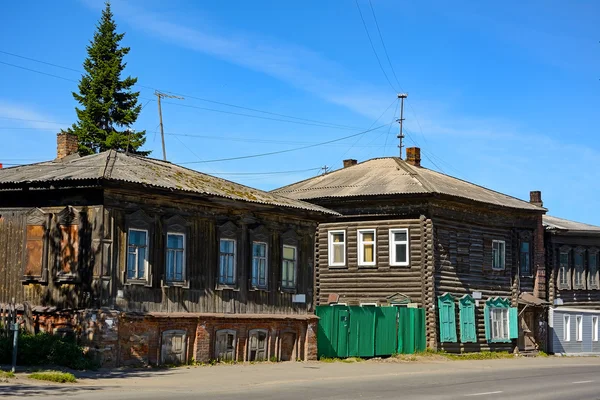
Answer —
(288, 267)
(337, 248)
(399, 247)
(225, 345)
(567, 328)
(175, 257)
(595, 328)
(369, 304)
(259, 265)
(579, 328)
(499, 323)
(366, 247)
(227, 274)
(137, 253)
(498, 255)
(257, 345)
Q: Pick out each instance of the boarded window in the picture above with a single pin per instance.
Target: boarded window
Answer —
(447, 315)
(69, 249)
(225, 344)
(174, 344)
(257, 345)
(468, 332)
(34, 251)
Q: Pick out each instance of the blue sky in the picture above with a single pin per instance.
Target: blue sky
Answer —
(503, 94)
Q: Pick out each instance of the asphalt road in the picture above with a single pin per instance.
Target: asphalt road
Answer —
(554, 378)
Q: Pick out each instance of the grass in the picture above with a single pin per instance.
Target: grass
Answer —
(482, 355)
(7, 374)
(54, 376)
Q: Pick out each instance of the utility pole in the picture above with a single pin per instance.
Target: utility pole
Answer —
(400, 136)
(160, 95)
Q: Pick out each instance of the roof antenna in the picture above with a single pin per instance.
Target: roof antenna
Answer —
(400, 136)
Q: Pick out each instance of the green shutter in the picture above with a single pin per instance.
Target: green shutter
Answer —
(467, 320)
(513, 323)
(488, 329)
(447, 313)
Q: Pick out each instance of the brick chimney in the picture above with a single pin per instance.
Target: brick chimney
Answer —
(413, 156)
(350, 162)
(535, 197)
(66, 144)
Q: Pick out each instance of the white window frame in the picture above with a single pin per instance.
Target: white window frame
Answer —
(266, 259)
(393, 243)
(234, 262)
(295, 282)
(183, 269)
(567, 328)
(331, 246)
(369, 305)
(579, 328)
(361, 249)
(503, 267)
(594, 328)
(135, 278)
(339, 304)
(503, 323)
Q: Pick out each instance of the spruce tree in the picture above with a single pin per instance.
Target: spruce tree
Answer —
(108, 105)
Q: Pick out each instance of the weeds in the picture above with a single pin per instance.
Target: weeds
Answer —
(54, 376)
(7, 374)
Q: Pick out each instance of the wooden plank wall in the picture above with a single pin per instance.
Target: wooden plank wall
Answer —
(204, 294)
(362, 284)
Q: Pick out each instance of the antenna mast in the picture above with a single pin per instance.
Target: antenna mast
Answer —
(400, 136)
(160, 95)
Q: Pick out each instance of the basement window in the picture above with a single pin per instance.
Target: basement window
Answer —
(225, 345)
(257, 345)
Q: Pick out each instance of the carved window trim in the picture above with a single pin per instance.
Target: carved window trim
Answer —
(67, 221)
(36, 218)
(592, 278)
(228, 232)
(140, 221)
(563, 269)
(176, 225)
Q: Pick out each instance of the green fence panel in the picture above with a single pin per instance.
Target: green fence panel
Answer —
(386, 330)
(325, 343)
(420, 340)
(341, 331)
(361, 342)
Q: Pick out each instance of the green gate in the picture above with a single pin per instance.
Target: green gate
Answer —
(369, 331)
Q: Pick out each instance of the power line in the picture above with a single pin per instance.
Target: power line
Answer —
(373, 47)
(38, 72)
(282, 151)
(383, 44)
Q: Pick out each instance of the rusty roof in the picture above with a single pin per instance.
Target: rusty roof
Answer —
(120, 167)
(393, 176)
(555, 223)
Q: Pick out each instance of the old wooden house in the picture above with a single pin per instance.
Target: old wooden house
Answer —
(572, 251)
(151, 262)
(472, 257)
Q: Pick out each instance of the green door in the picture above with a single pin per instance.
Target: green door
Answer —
(341, 333)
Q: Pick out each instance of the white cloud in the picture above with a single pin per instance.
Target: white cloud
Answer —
(26, 116)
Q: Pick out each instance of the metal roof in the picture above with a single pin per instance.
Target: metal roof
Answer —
(116, 166)
(551, 222)
(393, 176)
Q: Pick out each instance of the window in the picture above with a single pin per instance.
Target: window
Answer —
(525, 259)
(563, 270)
(399, 247)
(34, 251)
(579, 278)
(593, 269)
(227, 262)
(366, 247)
(468, 332)
(175, 257)
(501, 320)
(257, 345)
(579, 328)
(137, 254)
(259, 265)
(69, 249)
(567, 328)
(447, 316)
(288, 267)
(225, 345)
(595, 328)
(337, 248)
(498, 255)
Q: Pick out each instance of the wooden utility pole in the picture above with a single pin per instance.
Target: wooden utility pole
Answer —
(400, 136)
(160, 95)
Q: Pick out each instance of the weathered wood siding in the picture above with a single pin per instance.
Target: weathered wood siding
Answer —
(371, 284)
(203, 220)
